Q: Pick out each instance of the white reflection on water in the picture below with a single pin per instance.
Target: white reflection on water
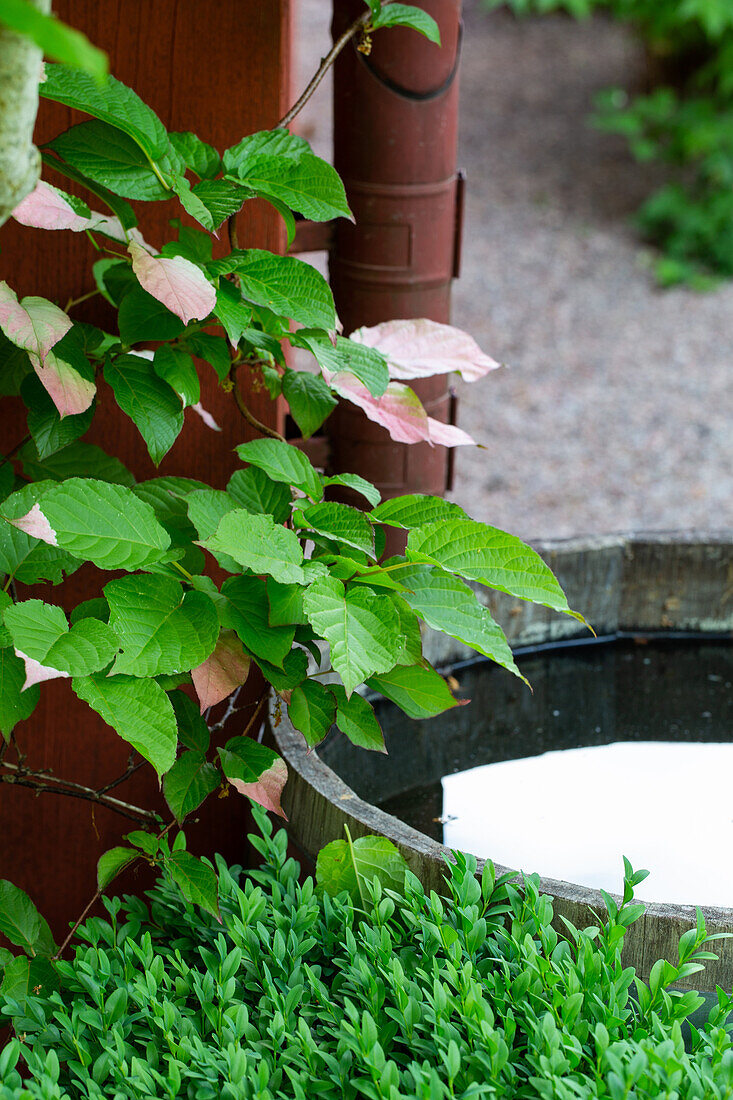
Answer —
(572, 815)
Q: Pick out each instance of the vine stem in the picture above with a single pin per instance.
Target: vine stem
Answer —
(358, 25)
(251, 419)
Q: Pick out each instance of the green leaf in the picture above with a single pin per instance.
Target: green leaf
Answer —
(56, 39)
(271, 142)
(105, 524)
(246, 612)
(356, 718)
(140, 712)
(309, 398)
(114, 279)
(254, 771)
(305, 184)
(112, 862)
(312, 710)
(410, 645)
(23, 976)
(283, 462)
(361, 628)
(345, 865)
(51, 432)
(220, 199)
(201, 158)
(258, 543)
(15, 704)
(365, 363)
(110, 101)
(14, 367)
(294, 670)
(405, 15)
(489, 556)
(358, 484)
(5, 603)
(193, 244)
(207, 508)
(161, 629)
(76, 460)
(213, 349)
(117, 205)
(449, 605)
(288, 287)
(151, 403)
(286, 603)
(416, 510)
(417, 690)
(192, 729)
(106, 156)
(339, 522)
(177, 368)
(196, 880)
(258, 493)
(23, 557)
(189, 782)
(142, 317)
(40, 631)
(234, 314)
(21, 922)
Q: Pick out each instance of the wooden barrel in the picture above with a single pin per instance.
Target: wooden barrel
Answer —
(679, 582)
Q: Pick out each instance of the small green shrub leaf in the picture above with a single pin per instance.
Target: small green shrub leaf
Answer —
(247, 612)
(111, 158)
(306, 184)
(416, 510)
(406, 15)
(309, 398)
(42, 637)
(255, 491)
(15, 704)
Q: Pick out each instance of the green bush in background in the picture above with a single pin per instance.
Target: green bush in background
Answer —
(686, 122)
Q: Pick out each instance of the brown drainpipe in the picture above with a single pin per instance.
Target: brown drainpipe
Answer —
(395, 139)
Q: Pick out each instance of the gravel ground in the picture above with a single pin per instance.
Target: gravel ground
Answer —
(616, 412)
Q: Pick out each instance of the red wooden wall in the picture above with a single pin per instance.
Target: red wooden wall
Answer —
(221, 70)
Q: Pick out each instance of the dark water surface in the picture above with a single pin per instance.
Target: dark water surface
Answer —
(624, 748)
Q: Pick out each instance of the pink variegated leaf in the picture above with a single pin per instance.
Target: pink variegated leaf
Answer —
(176, 282)
(399, 409)
(36, 673)
(223, 672)
(448, 435)
(35, 524)
(205, 416)
(255, 771)
(34, 324)
(70, 393)
(47, 208)
(267, 790)
(418, 348)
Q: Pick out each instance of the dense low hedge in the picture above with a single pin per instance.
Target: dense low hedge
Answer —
(297, 994)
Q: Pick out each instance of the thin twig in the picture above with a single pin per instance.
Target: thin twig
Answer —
(43, 782)
(250, 417)
(358, 25)
(14, 450)
(231, 708)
